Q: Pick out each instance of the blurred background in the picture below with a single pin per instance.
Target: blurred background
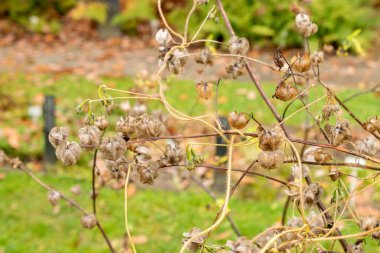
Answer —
(55, 53)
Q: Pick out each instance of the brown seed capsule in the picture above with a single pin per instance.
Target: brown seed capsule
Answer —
(148, 172)
(242, 245)
(368, 223)
(197, 243)
(88, 221)
(149, 126)
(334, 173)
(58, 135)
(238, 120)
(271, 159)
(68, 153)
(204, 89)
(271, 139)
(339, 133)
(312, 194)
(127, 126)
(54, 197)
(318, 57)
(113, 147)
(238, 45)
(370, 126)
(278, 59)
(101, 122)
(89, 137)
(286, 91)
(321, 156)
(301, 64)
(376, 122)
(329, 110)
(204, 56)
(173, 155)
(118, 168)
(236, 68)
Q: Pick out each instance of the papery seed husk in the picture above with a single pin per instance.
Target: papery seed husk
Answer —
(58, 135)
(271, 159)
(68, 153)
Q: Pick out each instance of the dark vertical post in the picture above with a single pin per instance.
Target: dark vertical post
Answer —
(49, 123)
(107, 30)
(221, 151)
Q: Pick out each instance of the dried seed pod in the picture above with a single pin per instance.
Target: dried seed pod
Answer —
(197, 243)
(127, 126)
(177, 60)
(271, 159)
(355, 249)
(101, 122)
(113, 147)
(204, 89)
(296, 171)
(76, 189)
(370, 126)
(204, 56)
(286, 91)
(68, 153)
(148, 171)
(339, 133)
(301, 64)
(89, 137)
(236, 68)
(242, 245)
(88, 221)
(149, 126)
(278, 59)
(138, 109)
(334, 173)
(238, 45)
(312, 193)
(369, 146)
(318, 57)
(375, 122)
(117, 168)
(58, 135)
(321, 156)
(173, 155)
(54, 197)
(316, 223)
(368, 223)
(163, 37)
(329, 110)
(271, 139)
(238, 120)
(302, 19)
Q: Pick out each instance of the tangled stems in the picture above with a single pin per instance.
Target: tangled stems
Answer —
(226, 200)
(126, 209)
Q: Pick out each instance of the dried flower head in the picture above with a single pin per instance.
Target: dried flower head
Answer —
(117, 168)
(197, 243)
(242, 245)
(305, 26)
(68, 153)
(101, 122)
(54, 197)
(89, 137)
(285, 91)
(339, 133)
(369, 146)
(278, 59)
(177, 60)
(301, 64)
(296, 170)
(163, 37)
(312, 193)
(318, 57)
(238, 120)
(271, 139)
(113, 147)
(302, 19)
(271, 159)
(238, 45)
(173, 155)
(368, 223)
(88, 221)
(148, 171)
(204, 89)
(334, 173)
(204, 56)
(149, 126)
(127, 126)
(58, 135)
(321, 156)
(236, 68)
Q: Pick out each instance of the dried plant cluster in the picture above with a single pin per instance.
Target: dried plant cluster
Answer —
(314, 226)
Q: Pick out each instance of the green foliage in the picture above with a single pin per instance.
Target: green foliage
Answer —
(136, 11)
(271, 22)
(93, 11)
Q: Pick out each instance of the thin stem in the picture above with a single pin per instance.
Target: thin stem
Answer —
(126, 209)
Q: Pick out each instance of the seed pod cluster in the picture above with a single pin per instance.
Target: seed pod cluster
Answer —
(238, 120)
(68, 152)
(238, 45)
(311, 194)
(204, 56)
(177, 60)
(318, 57)
(112, 148)
(197, 243)
(173, 155)
(88, 221)
(242, 245)
(369, 146)
(271, 159)
(144, 126)
(204, 89)
(89, 137)
(321, 156)
(236, 68)
(285, 91)
(301, 63)
(118, 168)
(339, 133)
(270, 141)
(305, 26)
